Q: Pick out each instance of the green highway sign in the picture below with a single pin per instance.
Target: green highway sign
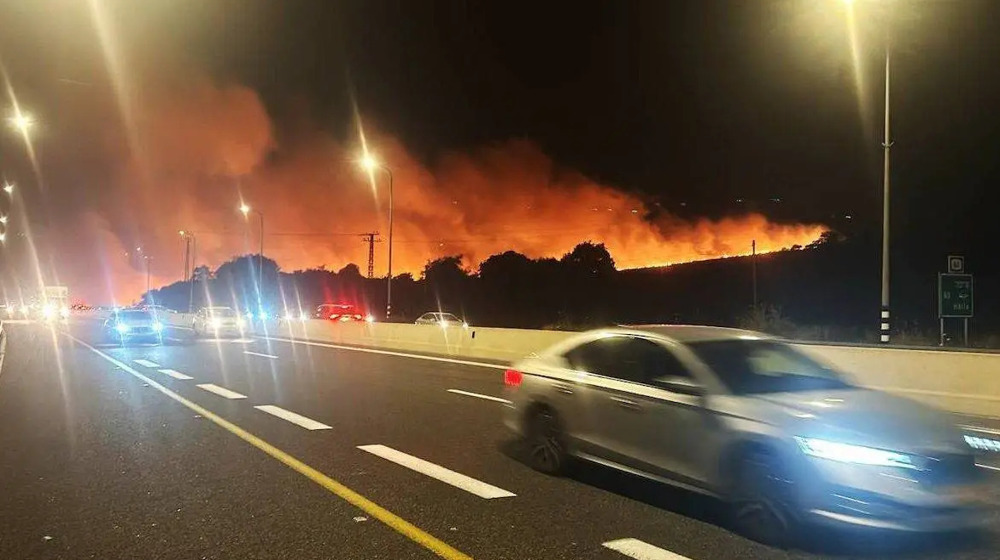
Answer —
(955, 295)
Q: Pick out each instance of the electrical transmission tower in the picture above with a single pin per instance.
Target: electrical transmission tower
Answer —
(370, 239)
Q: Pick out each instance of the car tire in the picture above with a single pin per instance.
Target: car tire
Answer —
(546, 442)
(761, 500)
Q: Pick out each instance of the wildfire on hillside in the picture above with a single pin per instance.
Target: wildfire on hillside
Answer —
(197, 150)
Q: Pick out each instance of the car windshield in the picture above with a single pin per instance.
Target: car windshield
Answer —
(446, 317)
(765, 366)
(134, 316)
(221, 312)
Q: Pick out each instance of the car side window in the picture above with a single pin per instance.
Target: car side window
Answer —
(628, 358)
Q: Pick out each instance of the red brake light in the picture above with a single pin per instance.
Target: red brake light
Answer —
(512, 378)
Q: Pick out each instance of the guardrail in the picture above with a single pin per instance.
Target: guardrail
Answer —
(963, 381)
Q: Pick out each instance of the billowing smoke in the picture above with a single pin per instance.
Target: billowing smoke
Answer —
(198, 148)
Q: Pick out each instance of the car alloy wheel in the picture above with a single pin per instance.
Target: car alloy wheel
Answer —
(760, 500)
(546, 447)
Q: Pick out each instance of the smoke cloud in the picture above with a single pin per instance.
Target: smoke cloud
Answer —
(197, 149)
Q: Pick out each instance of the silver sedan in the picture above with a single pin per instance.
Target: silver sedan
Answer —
(749, 419)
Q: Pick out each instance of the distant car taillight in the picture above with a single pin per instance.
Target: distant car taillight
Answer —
(512, 378)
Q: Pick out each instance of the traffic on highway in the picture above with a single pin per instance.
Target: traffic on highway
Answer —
(660, 442)
(370, 279)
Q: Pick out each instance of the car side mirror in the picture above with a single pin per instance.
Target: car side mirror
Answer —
(678, 384)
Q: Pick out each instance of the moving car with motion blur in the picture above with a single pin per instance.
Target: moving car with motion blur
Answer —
(749, 419)
(343, 312)
(133, 325)
(440, 319)
(218, 321)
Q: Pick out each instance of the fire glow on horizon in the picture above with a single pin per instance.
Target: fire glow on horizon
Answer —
(208, 147)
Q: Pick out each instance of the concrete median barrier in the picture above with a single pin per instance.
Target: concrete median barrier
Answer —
(966, 382)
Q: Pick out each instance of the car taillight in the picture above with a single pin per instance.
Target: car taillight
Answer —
(512, 378)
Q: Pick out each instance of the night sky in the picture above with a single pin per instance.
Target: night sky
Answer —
(708, 108)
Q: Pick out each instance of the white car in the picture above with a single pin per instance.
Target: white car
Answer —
(218, 321)
(443, 320)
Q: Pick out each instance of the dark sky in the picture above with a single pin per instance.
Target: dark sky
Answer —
(698, 102)
(712, 107)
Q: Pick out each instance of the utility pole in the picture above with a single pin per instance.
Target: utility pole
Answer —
(187, 256)
(753, 265)
(369, 238)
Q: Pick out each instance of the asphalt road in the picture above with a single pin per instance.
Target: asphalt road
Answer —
(354, 454)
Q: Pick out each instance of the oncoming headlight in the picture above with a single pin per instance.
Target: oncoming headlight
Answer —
(857, 454)
(157, 326)
(122, 328)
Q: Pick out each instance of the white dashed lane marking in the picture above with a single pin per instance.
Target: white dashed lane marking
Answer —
(634, 548)
(297, 419)
(478, 396)
(147, 363)
(272, 356)
(458, 480)
(175, 374)
(221, 391)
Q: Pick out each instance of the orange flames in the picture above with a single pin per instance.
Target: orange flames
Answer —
(205, 147)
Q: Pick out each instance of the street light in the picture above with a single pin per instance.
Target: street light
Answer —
(3, 220)
(245, 209)
(371, 164)
(22, 122)
(8, 188)
(886, 145)
(190, 249)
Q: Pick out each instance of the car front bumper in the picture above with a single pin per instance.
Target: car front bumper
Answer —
(893, 499)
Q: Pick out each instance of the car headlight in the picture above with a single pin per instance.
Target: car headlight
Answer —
(857, 454)
(289, 316)
(240, 322)
(370, 319)
(250, 316)
(157, 326)
(64, 312)
(216, 323)
(122, 328)
(303, 316)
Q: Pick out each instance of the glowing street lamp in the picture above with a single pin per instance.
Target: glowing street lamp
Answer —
(22, 122)
(8, 188)
(190, 250)
(371, 164)
(3, 220)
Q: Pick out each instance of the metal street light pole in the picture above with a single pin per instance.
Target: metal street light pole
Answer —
(886, 145)
(260, 261)
(370, 164)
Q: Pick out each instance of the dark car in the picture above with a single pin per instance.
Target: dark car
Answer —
(133, 324)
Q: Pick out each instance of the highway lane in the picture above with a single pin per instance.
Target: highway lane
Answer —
(366, 399)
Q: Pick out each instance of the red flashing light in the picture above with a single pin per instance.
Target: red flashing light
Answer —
(512, 378)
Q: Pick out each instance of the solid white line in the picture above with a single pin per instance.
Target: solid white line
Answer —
(634, 548)
(989, 467)
(979, 429)
(438, 472)
(147, 363)
(390, 353)
(221, 391)
(298, 419)
(478, 396)
(175, 374)
(272, 356)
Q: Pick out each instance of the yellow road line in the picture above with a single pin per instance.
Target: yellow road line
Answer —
(399, 524)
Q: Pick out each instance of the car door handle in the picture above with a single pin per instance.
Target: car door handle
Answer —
(562, 388)
(626, 403)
